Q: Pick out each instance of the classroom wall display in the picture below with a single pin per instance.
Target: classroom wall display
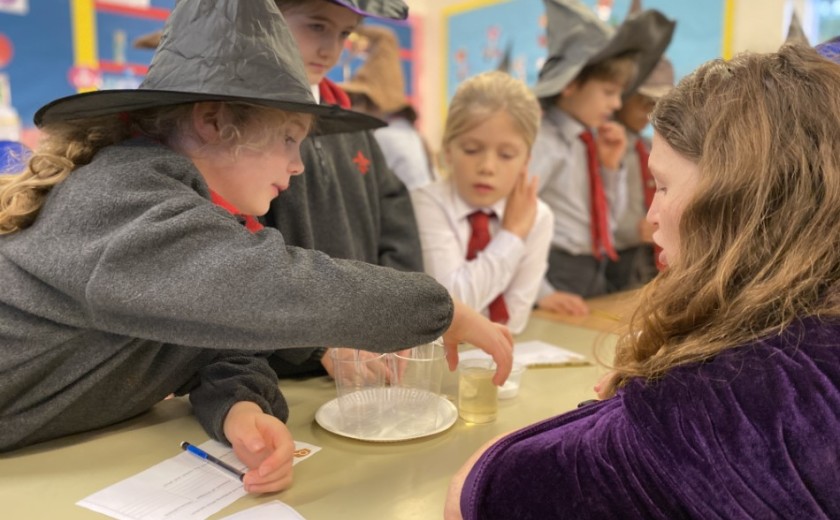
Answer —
(55, 48)
(482, 34)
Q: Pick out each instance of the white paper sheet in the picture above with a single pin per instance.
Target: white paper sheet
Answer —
(184, 487)
(535, 354)
(274, 510)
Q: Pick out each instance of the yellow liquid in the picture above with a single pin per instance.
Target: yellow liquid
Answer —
(477, 395)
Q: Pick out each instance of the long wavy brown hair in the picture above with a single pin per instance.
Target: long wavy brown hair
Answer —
(68, 145)
(760, 239)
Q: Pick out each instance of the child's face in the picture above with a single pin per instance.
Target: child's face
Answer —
(252, 178)
(634, 113)
(676, 182)
(320, 29)
(593, 102)
(486, 160)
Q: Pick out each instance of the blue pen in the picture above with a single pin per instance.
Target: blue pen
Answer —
(195, 450)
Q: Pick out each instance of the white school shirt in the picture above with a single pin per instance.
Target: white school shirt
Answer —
(508, 265)
(404, 152)
(559, 161)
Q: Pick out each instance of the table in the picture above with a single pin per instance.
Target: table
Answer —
(610, 313)
(346, 479)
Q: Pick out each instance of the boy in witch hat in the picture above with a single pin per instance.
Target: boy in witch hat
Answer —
(123, 282)
(378, 89)
(637, 255)
(350, 204)
(578, 152)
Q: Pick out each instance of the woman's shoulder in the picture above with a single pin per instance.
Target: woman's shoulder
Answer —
(782, 377)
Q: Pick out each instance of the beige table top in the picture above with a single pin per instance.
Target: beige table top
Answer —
(610, 313)
(346, 479)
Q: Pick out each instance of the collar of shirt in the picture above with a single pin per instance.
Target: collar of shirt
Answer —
(462, 210)
(567, 127)
(316, 91)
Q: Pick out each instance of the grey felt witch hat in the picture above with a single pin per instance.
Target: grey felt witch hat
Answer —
(660, 78)
(795, 31)
(217, 50)
(576, 38)
(393, 9)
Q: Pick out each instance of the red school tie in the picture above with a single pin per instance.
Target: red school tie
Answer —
(599, 226)
(480, 237)
(251, 223)
(649, 187)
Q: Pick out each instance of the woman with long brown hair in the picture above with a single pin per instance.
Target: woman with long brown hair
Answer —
(725, 399)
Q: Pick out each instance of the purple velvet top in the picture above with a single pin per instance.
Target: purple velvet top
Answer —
(752, 433)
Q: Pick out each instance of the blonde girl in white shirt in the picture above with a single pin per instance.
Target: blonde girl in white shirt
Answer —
(491, 126)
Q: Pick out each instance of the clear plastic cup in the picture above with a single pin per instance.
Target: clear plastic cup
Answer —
(477, 395)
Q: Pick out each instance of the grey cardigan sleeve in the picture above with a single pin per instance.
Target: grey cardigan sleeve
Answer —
(187, 273)
(160, 261)
(233, 377)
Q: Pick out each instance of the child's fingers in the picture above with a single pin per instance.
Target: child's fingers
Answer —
(274, 481)
(451, 348)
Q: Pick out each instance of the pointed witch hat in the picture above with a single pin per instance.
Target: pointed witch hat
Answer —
(392, 9)
(576, 38)
(380, 77)
(217, 50)
(795, 31)
(506, 62)
(660, 78)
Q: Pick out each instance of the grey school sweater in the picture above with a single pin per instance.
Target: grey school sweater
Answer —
(131, 285)
(349, 205)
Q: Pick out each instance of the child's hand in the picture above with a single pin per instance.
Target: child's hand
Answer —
(471, 327)
(521, 208)
(602, 383)
(564, 303)
(612, 143)
(264, 444)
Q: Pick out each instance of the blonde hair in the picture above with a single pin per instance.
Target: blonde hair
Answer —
(69, 145)
(760, 238)
(481, 96)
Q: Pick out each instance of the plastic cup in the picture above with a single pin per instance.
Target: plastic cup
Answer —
(360, 381)
(510, 389)
(477, 395)
(417, 380)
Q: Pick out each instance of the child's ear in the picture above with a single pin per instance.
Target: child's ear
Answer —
(205, 120)
(571, 89)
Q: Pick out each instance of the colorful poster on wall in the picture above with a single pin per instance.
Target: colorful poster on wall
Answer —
(55, 48)
(480, 34)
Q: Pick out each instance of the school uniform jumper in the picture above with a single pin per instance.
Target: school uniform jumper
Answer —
(559, 161)
(131, 284)
(347, 204)
(508, 265)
